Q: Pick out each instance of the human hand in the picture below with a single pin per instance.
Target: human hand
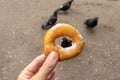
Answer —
(41, 68)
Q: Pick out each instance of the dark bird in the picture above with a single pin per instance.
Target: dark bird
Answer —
(66, 6)
(90, 23)
(66, 42)
(51, 21)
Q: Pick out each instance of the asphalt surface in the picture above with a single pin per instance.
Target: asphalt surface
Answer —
(21, 37)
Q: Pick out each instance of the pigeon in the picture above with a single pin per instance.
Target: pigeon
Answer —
(51, 21)
(66, 6)
(66, 42)
(91, 23)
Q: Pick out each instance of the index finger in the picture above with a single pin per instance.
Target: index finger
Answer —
(33, 67)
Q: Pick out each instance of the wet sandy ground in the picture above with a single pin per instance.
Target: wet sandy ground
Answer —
(21, 37)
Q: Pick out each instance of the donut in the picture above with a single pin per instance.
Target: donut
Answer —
(60, 30)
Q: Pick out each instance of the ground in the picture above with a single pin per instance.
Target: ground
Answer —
(21, 37)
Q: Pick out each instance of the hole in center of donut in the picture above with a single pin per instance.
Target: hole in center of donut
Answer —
(64, 41)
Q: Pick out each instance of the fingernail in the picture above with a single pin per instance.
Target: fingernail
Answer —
(53, 56)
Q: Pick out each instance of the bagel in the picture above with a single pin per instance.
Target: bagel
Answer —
(63, 30)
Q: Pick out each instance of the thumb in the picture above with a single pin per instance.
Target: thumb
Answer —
(47, 67)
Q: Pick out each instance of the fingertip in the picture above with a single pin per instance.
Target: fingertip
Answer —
(42, 55)
(39, 58)
(53, 56)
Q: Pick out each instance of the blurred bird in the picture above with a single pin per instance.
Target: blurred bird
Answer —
(51, 21)
(91, 23)
(66, 42)
(66, 6)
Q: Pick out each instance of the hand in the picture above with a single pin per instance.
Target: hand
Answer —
(41, 68)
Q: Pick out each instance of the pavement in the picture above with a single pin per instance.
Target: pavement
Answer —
(21, 37)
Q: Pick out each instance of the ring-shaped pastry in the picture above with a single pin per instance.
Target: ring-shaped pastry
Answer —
(63, 30)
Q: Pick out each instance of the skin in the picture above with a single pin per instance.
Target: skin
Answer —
(41, 68)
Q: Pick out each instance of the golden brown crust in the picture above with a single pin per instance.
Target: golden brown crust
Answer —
(58, 31)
